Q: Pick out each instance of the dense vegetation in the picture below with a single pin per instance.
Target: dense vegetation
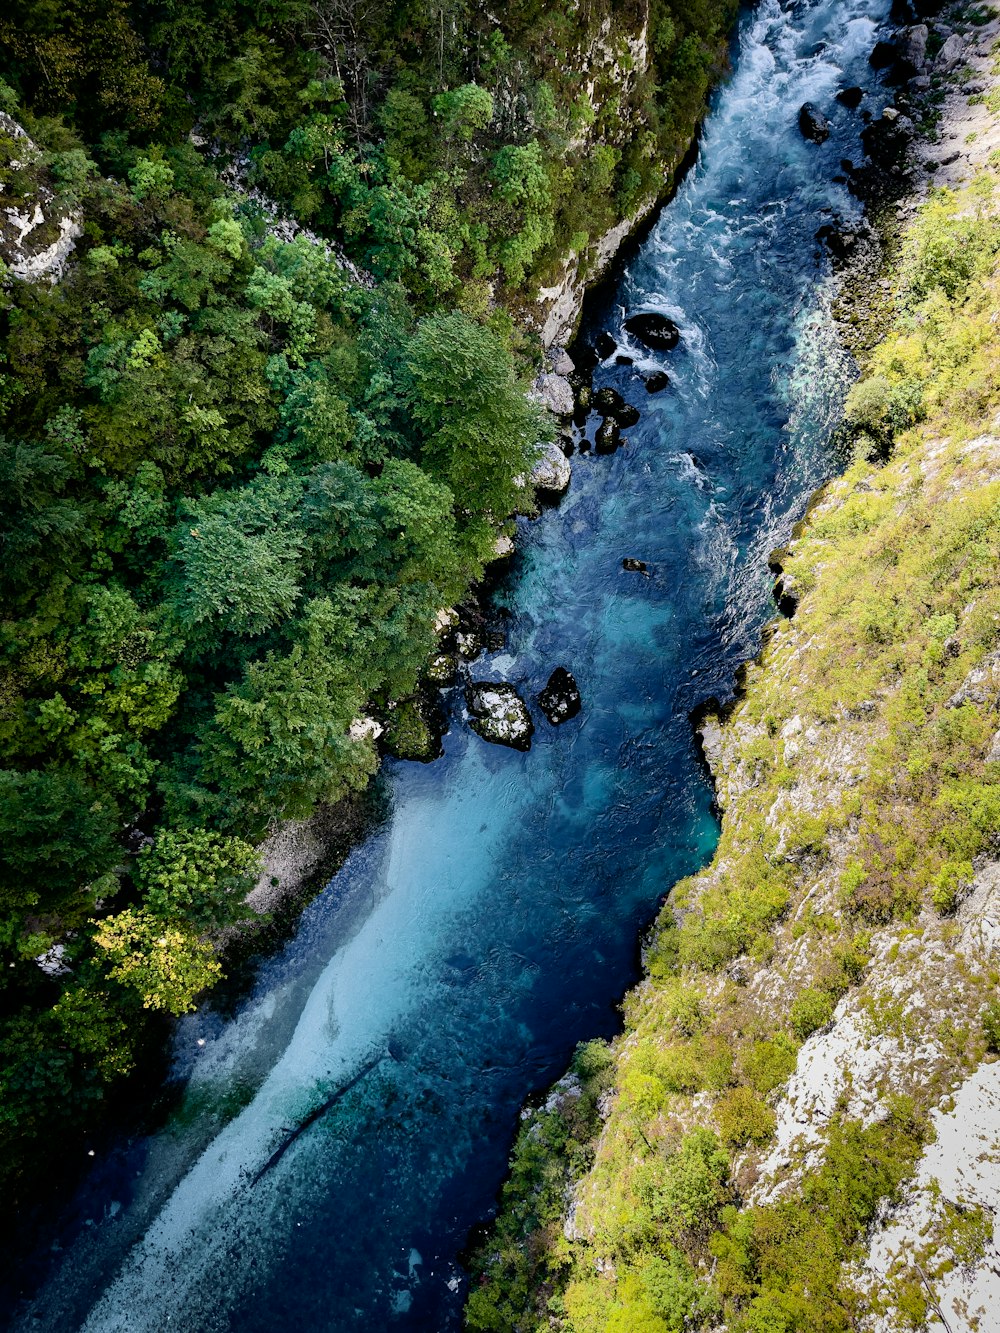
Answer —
(242, 463)
(832, 851)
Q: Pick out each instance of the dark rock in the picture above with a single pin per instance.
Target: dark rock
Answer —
(656, 381)
(886, 140)
(606, 346)
(883, 55)
(786, 595)
(499, 714)
(633, 566)
(851, 98)
(839, 242)
(814, 125)
(586, 360)
(608, 436)
(610, 403)
(654, 330)
(622, 360)
(560, 700)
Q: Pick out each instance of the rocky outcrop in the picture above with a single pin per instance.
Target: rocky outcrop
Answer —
(499, 714)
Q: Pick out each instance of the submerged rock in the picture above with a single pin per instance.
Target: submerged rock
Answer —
(851, 97)
(499, 714)
(560, 700)
(608, 436)
(605, 346)
(654, 329)
(552, 472)
(657, 381)
(814, 125)
(610, 403)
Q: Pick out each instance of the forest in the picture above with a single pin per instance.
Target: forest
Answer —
(271, 418)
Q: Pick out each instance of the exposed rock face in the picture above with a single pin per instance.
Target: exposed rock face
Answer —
(655, 330)
(503, 547)
(499, 714)
(813, 124)
(555, 393)
(551, 474)
(37, 235)
(657, 381)
(633, 566)
(560, 700)
(365, 728)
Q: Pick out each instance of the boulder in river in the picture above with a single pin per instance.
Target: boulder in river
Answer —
(851, 97)
(654, 329)
(608, 436)
(814, 125)
(560, 700)
(657, 381)
(610, 403)
(605, 345)
(499, 714)
(552, 471)
(556, 393)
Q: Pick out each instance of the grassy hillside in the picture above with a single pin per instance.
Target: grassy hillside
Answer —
(824, 985)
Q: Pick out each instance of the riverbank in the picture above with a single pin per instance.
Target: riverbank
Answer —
(751, 1149)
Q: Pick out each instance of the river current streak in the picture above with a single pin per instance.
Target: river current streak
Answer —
(490, 924)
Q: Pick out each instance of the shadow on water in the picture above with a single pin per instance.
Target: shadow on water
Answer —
(490, 923)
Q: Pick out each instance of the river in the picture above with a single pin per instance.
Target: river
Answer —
(490, 923)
